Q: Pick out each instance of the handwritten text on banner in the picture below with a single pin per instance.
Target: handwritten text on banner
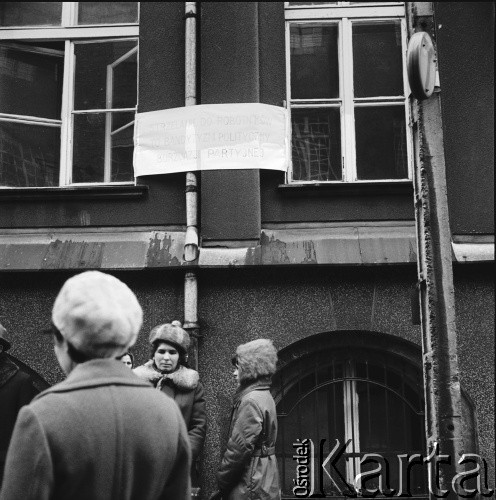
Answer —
(210, 137)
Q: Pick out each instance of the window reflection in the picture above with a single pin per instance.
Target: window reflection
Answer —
(107, 12)
(29, 155)
(316, 144)
(377, 60)
(314, 61)
(381, 150)
(30, 13)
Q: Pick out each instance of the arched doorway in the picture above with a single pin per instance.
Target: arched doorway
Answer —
(361, 388)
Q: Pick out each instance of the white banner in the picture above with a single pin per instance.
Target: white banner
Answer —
(210, 137)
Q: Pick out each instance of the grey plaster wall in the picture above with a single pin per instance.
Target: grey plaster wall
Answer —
(465, 41)
(26, 301)
(474, 295)
(287, 305)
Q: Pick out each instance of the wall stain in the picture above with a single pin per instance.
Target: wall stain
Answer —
(273, 251)
(73, 255)
(158, 253)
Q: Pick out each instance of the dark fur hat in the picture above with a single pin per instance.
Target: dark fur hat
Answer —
(256, 359)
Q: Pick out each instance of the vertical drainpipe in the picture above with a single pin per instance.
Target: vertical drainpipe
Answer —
(436, 286)
(191, 250)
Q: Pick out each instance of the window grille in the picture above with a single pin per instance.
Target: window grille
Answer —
(373, 398)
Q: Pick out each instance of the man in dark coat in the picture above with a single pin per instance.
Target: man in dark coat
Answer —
(16, 390)
(102, 434)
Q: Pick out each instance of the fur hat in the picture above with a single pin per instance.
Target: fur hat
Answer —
(256, 359)
(97, 314)
(173, 334)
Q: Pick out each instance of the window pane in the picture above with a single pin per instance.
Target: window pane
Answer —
(107, 12)
(314, 61)
(29, 155)
(124, 81)
(88, 161)
(381, 143)
(377, 62)
(91, 131)
(96, 64)
(316, 144)
(122, 147)
(31, 81)
(30, 13)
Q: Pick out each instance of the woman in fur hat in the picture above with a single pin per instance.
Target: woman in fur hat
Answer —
(168, 371)
(249, 467)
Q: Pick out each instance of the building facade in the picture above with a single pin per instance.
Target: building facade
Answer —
(321, 258)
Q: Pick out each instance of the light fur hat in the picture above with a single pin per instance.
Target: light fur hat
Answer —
(256, 359)
(98, 314)
(172, 333)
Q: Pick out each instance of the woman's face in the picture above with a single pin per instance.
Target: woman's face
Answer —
(126, 359)
(166, 357)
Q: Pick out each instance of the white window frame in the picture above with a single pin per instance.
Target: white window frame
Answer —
(343, 14)
(71, 33)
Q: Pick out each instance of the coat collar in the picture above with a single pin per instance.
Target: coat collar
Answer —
(7, 369)
(96, 373)
(183, 378)
(261, 384)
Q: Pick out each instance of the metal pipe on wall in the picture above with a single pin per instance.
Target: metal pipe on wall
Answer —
(436, 286)
(191, 240)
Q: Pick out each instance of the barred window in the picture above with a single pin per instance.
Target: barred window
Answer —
(371, 399)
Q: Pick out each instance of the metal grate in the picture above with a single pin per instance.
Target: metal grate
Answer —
(370, 399)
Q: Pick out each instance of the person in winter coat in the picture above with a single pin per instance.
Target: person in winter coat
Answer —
(248, 469)
(102, 434)
(16, 390)
(168, 371)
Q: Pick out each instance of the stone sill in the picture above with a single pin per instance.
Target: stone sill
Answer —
(347, 188)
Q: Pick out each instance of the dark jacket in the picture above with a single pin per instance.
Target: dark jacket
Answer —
(102, 434)
(249, 467)
(16, 390)
(185, 388)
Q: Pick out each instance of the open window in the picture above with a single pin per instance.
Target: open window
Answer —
(68, 92)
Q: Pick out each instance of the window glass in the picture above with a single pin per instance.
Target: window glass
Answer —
(124, 79)
(316, 144)
(377, 61)
(314, 61)
(30, 13)
(31, 81)
(122, 147)
(107, 12)
(381, 151)
(89, 147)
(97, 64)
(29, 155)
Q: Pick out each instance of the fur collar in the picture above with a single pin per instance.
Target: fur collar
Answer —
(7, 369)
(183, 378)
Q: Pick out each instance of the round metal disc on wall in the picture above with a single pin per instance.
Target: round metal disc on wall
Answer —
(421, 65)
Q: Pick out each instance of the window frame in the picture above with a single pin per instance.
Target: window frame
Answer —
(344, 15)
(71, 33)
